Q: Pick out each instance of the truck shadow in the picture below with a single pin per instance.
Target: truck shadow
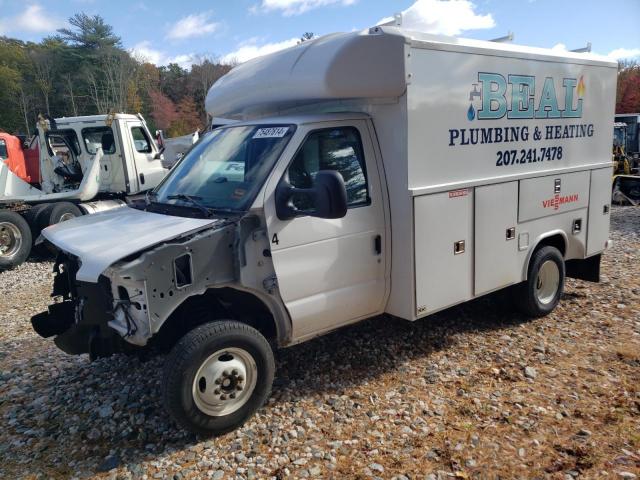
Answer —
(86, 411)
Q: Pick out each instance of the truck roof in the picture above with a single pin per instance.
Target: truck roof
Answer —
(96, 118)
(366, 64)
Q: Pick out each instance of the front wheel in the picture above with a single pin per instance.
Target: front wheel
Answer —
(541, 292)
(217, 376)
(15, 239)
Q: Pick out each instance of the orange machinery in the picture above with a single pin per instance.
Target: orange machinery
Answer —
(23, 162)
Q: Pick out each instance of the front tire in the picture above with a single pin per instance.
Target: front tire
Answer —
(217, 376)
(541, 292)
(15, 239)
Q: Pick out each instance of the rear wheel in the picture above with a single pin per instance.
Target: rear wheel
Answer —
(541, 292)
(15, 239)
(56, 213)
(32, 216)
(217, 376)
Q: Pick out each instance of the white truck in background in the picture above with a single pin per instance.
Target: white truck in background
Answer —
(86, 164)
(376, 172)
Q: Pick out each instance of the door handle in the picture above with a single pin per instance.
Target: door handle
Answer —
(377, 243)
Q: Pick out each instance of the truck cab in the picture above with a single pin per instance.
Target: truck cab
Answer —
(130, 161)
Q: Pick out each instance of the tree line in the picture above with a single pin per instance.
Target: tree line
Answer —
(84, 70)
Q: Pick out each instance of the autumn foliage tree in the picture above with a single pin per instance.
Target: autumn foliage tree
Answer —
(163, 110)
(628, 94)
(188, 119)
(84, 70)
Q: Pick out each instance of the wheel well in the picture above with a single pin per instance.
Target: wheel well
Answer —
(216, 304)
(556, 241)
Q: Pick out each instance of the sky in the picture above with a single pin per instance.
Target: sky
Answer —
(185, 31)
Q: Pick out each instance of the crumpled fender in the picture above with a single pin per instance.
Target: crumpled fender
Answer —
(14, 189)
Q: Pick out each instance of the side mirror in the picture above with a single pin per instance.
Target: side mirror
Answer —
(328, 193)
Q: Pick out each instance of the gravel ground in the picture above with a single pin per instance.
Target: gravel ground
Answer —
(474, 392)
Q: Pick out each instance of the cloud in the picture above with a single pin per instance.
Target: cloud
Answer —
(624, 53)
(443, 17)
(296, 7)
(194, 25)
(33, 20)
(251, 49)
(615, 55)
(144, 52)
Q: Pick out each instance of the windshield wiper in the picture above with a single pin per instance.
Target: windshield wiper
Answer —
(193, 200)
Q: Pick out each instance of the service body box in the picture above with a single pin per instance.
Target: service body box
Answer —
(520, 132)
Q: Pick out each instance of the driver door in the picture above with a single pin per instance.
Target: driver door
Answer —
(331, 272)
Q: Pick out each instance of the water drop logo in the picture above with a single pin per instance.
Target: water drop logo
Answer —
(474, 93)
(471, 113)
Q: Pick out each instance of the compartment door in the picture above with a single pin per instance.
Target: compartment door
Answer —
(496, 248)
(599, 208)
(443, 225)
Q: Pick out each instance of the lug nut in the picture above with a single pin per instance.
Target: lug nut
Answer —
(232, 395)
(218, 381)
(234, 372)
(223, 397)
(225, 373)
(217, 391)
(240, 378)
(238, 387)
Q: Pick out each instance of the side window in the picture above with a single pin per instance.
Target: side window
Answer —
(140, 140)
(95, 137)
(338, 149)
(3, 150)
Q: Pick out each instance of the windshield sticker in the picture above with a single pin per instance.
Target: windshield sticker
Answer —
(271, 132)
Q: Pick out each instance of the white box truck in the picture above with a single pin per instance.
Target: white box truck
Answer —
(376, 172)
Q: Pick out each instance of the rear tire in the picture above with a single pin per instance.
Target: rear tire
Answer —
(56, 213)
(217, 376)
(33, 217)
(15, 240)
(541, 292)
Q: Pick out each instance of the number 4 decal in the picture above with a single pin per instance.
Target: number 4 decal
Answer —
(274, 239)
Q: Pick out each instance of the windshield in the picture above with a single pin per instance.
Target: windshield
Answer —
(226, 169)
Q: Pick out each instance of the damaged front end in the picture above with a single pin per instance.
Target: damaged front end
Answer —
(133, 297)
(80, 318)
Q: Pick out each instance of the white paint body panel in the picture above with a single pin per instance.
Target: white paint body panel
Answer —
(599, 210)
(538, 197)
(496, 261)
(98, 239)
(443, 277)
(328, 271)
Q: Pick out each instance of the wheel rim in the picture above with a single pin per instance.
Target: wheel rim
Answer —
(224, 382)
(66, 216)
(10, 239)
(548, 282)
